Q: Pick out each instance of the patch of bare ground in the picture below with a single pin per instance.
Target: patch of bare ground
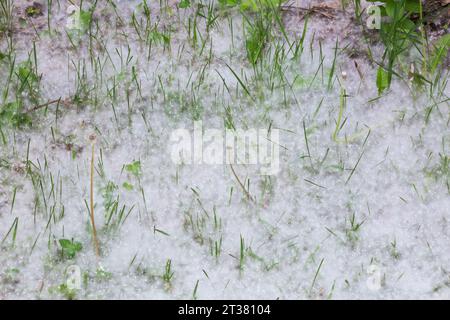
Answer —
(328, 20)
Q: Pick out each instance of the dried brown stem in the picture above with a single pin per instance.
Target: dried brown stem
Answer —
(248, 195)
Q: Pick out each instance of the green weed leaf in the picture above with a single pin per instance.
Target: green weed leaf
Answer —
(70, 248)
(134, 168)
(184, 4)
(382, 80)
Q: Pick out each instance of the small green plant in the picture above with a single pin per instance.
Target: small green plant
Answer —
(194, 294)
(34, 10)
(398, 33)
(383, 80)
(109, 194)
(259, 27)
(134, 168)
(6, 16)
(184, 4)
(357, 5)
(168, 274)
(159, 37)
(127, 186)
(229, 3)
(258, 33)
(69, 248)
(102, 275)
(11, 276)
(13, 231)
(205, 229)
(316, 275)
(116, 215)
(439, 53)
(353, 229)
(12, 114)
(26, 79)
(253, 5)
(339, 121)
(64, 290)
(440, 171)
(242, 254)
(393, 250)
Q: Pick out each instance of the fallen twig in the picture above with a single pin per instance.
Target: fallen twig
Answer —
(248, 195)
(65, 102)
